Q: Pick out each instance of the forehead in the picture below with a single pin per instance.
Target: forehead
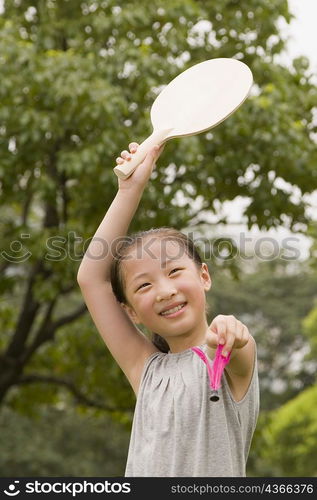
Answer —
(153, 253)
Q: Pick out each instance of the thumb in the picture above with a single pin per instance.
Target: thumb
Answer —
(154, 152)
(151, 157)
(218, 329)
(212, 339)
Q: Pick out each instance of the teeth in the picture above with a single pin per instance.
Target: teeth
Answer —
(174, 309)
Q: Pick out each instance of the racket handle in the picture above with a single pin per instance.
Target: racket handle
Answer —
(124, 170)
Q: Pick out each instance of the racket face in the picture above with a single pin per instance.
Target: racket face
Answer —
(201, 97)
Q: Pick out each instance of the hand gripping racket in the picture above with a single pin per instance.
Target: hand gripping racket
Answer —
(196, 100)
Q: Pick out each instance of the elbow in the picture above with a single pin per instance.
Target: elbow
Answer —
(81, 279)
(84, 276)
(88, 281)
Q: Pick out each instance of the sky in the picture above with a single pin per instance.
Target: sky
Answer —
(302, 31)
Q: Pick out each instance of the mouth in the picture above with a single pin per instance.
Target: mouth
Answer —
(174, 311)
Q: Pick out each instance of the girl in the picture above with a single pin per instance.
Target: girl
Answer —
(156, 278)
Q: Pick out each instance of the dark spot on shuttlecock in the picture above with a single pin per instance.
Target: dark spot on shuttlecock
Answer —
(214, 396)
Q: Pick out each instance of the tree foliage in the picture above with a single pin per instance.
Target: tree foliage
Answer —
(64, 443)
(78, 80)
(290, 438)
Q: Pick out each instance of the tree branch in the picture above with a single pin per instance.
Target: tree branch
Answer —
(68, 384)
(47, 328)
(28, 200)
(27, 315)
(67, 318)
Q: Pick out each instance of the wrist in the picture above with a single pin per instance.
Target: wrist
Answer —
(135, 191)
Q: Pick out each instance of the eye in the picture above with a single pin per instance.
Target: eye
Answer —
(176, 269)
(143, 285)
(146, 284)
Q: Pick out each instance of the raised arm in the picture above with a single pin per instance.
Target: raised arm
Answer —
(128, 345)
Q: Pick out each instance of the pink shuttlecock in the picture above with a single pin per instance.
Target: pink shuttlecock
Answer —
(215, 369)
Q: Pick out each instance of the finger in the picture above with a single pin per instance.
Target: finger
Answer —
(228, 346)
(239, 331)
(232, 329)
(133, 146)
(219, 327)
(245, 335)
(212, 339)
(155, 150)
(119, 160)
(125, 154)
(151, 156)
(241, 335)
(160, 149)
(232, 323)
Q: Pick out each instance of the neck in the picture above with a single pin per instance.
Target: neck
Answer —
(190, 339)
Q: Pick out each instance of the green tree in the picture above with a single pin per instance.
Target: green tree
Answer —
(310, 329)
(290, 438)
(78, 80)
(310, 322)
(65, 443)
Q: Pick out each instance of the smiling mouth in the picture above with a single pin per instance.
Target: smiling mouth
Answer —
(174, 310)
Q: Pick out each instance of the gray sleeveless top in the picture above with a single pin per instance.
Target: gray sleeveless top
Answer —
(178, 432)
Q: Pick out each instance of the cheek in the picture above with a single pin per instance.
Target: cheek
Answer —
(144, 302)
(196, 293)
(192, 287)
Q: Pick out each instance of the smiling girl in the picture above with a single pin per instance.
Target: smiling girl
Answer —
(156, 278)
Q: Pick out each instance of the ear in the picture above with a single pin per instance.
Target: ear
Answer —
(131, 313)
(205, 276)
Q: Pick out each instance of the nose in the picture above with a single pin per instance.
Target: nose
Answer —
(165, 292)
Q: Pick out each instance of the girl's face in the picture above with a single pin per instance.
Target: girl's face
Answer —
(158, 275)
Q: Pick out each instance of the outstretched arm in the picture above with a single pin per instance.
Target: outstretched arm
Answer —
(235, 338)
